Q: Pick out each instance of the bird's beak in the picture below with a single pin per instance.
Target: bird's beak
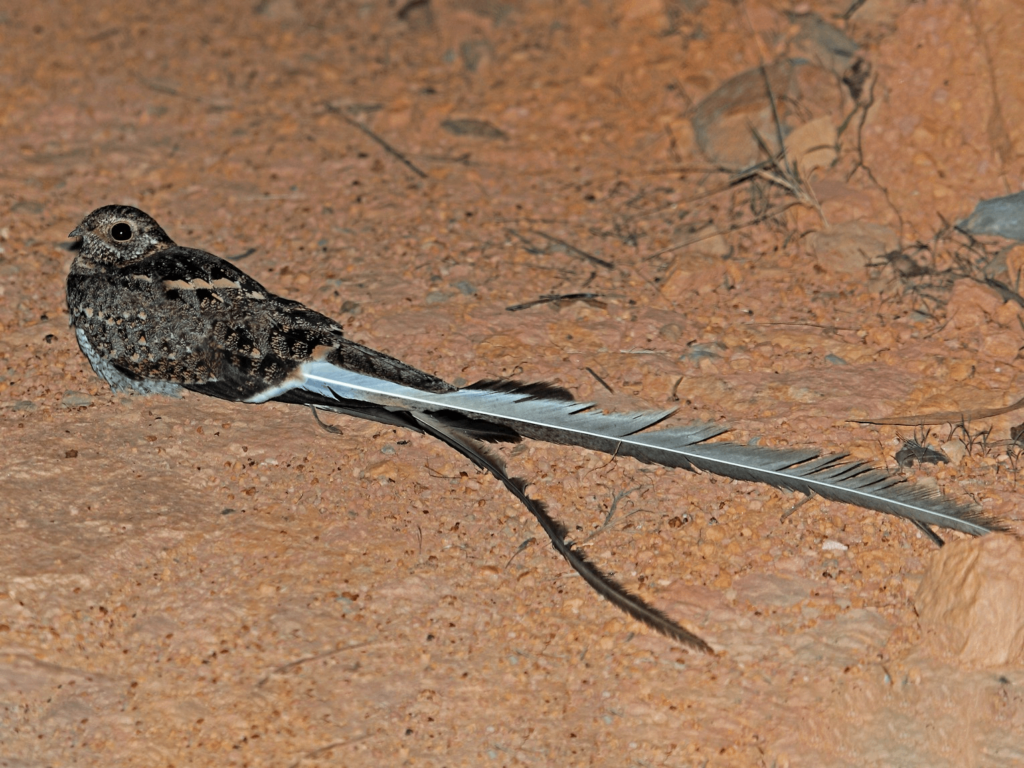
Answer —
(77, 232)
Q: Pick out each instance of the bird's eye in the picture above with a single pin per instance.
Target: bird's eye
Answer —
(121, 232)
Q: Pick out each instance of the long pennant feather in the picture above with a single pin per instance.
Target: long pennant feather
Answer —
(573, 423)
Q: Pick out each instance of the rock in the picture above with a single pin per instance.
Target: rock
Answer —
(813, 145)
(706, 241)
(279, 10)
(690, 276)
(848, 247)
(877, 17)
(74, 399)
(955, 450)
(698, 267)
(1003, 346)
(471, 127)
(475, 52)
(729, 122)
(643, 10)
(822, 43)
(972, 304)
(997, 216)
(670, 331)
(768, 590)
(971, 601)
(710, 351)
(1015, 264)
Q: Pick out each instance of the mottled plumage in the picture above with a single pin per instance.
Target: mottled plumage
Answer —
(159, 313)
(155, 317)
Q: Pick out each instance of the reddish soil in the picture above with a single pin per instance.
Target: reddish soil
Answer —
(193, 582)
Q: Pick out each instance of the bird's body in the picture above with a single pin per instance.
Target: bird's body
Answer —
(184, 316)
(156, 317)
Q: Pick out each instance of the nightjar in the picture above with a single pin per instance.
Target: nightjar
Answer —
(156, 317)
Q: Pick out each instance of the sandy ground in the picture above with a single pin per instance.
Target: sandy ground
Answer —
(194, 582)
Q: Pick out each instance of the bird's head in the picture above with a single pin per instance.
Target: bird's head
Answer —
(119, 234)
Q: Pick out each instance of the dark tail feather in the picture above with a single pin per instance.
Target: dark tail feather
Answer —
(611, 591)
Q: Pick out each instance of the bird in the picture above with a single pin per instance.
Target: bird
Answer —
(155, 317)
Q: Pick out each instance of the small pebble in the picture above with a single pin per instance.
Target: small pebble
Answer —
(73, 399)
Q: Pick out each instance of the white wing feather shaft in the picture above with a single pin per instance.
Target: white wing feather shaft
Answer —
(567, 422)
